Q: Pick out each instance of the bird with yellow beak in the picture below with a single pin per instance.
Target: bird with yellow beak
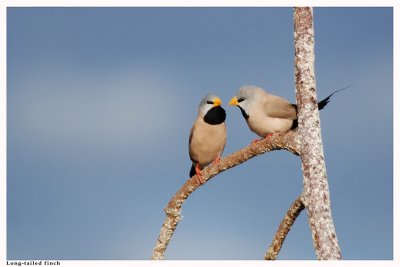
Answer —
(266, 113)
(208, 135)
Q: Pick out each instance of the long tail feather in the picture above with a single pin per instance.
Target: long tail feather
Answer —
(325, 101)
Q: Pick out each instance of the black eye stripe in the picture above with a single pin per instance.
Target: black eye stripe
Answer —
(210, 102)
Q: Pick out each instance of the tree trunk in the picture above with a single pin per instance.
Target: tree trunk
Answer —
(316, 193)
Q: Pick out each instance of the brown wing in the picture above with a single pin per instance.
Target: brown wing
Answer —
(278, 107)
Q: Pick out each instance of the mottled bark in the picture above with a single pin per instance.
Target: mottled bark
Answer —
(316, 192)
(173, 210)
(284, 228)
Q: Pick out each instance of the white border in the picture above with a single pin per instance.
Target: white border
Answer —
(3, 138)
(191, 3)
(396, 110)
(206, 3)
(221, 263)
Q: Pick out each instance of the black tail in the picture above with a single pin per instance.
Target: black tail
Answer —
(192, 171)
(325, 101)
(321, 105)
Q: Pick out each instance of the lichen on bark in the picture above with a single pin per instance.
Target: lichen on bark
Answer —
(316, 191)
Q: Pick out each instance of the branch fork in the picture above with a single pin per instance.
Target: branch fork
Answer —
(305, 141)
(288, 141)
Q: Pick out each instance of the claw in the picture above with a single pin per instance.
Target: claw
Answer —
(217, 160)
(256, 140)
(199, 176)
(269, 135)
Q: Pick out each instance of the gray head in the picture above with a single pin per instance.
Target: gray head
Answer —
(247, 96)
(208, 102)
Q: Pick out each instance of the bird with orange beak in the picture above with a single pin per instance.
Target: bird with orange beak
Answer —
(208, 135)
(266, 113)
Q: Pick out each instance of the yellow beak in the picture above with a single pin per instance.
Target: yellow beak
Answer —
(233, 102)
(217, 102)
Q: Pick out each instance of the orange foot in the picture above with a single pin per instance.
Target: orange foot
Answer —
(217, 160)
(256, 140)
(199, 176)
(269, 135)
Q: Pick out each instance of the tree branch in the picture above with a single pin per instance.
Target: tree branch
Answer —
(287, 141)
(284, 228)
(316, 192)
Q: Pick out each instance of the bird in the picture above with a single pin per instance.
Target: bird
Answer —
(208, 135)
(266, 113)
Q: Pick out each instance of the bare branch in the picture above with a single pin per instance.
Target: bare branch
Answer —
(284, 228)
(287, 141)
(316, 192)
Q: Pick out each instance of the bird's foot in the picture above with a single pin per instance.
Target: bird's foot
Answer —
(199, 175)
(256, 140)
(268, 135)
(217, 160)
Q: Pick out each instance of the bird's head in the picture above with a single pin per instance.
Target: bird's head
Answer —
(211, 111)
(208, 102)
(245, 98)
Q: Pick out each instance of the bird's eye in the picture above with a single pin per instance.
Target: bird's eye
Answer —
(210, 102)
(240, 99)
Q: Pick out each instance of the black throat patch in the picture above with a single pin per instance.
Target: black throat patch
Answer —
(215, 115)
(244, 113)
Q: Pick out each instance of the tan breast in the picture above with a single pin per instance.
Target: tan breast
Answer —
(208, 141)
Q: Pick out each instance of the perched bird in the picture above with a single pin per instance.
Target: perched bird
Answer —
(265, 113)
(208, 135)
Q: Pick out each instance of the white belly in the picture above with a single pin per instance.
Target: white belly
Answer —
(263, 125)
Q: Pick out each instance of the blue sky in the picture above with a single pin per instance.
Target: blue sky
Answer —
(100, 102)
